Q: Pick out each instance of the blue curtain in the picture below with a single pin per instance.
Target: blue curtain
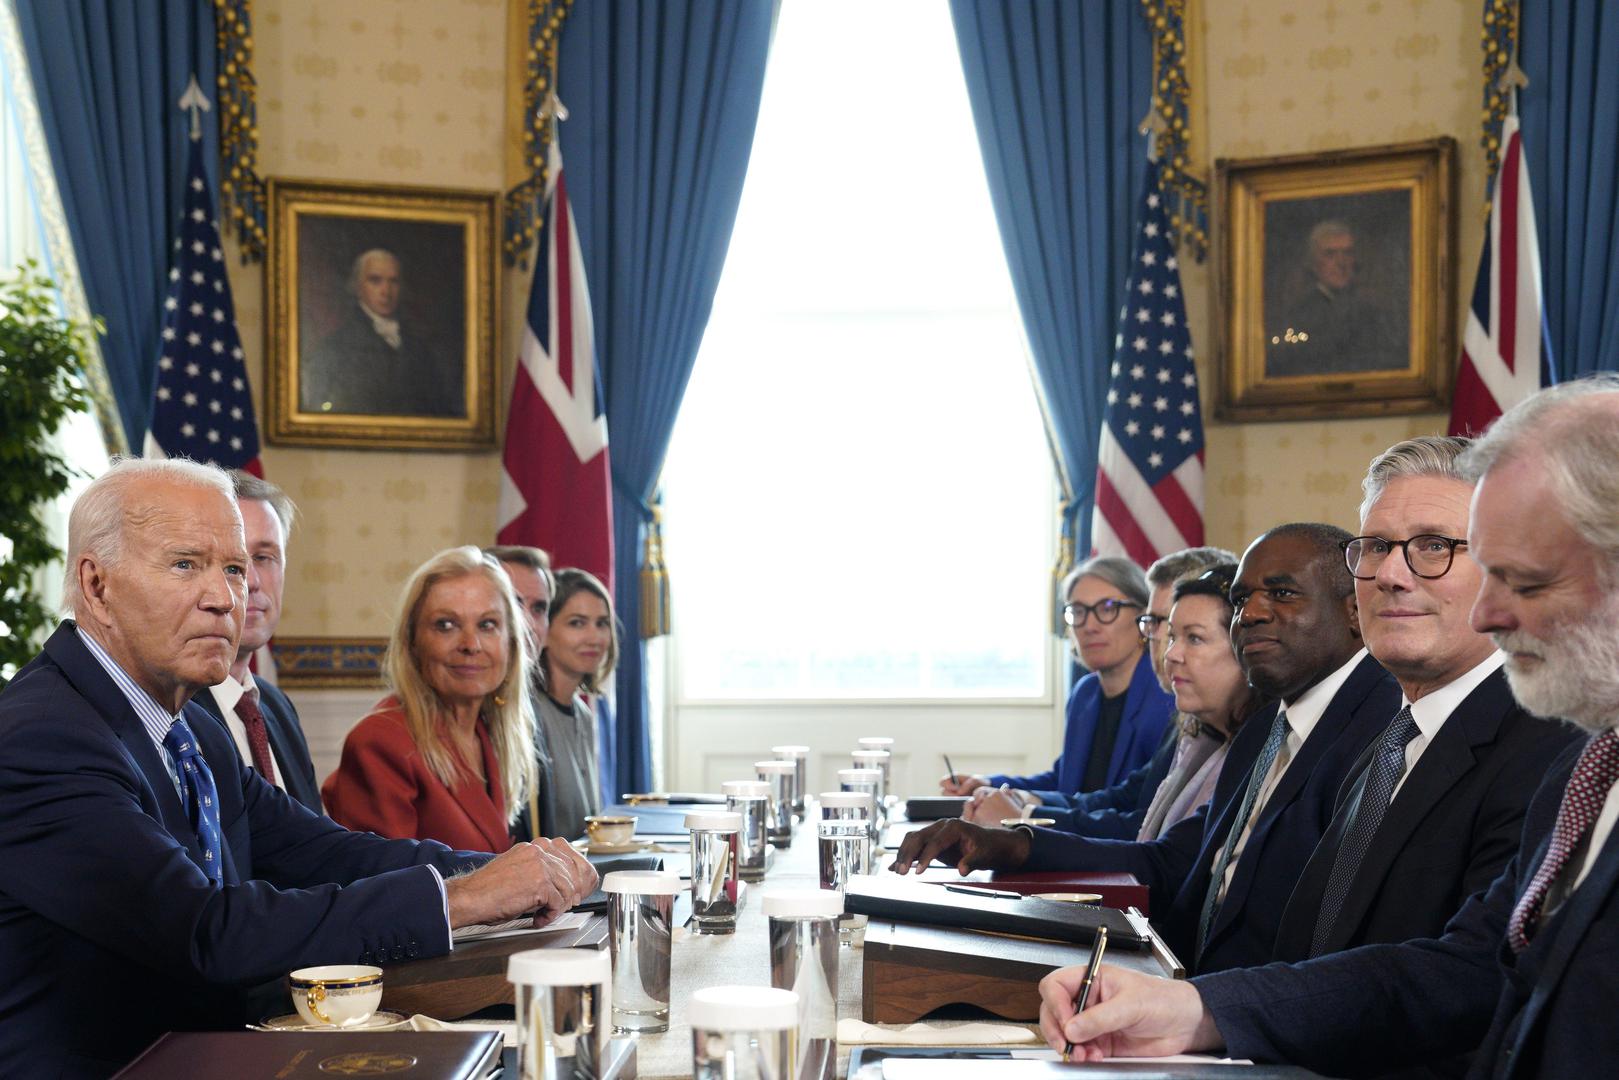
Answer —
(108, 75)
(1569, 49)
(1057, 91)
(664, 98)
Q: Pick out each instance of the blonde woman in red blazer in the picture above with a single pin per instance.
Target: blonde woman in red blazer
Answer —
(448, 755)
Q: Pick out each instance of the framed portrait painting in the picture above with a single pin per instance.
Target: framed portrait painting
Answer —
(1336, 282)
(381, 316)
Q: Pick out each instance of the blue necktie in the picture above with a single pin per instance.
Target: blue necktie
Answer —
(1256, 780)
(198, 793)
(1382, 775)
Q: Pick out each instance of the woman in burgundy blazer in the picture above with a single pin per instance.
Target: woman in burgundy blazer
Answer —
(448, 755)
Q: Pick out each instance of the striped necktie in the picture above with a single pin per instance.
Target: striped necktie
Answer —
(1382, 777)
(198, 793)
(1256, 780)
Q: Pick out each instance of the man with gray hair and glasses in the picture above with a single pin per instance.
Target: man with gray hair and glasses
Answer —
(1523, 973)
(150, 876)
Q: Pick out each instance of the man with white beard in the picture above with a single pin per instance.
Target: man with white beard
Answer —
(1524, 972)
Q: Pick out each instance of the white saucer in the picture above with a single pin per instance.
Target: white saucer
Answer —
(381, 1020)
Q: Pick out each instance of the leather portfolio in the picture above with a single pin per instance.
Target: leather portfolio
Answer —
(934, 807)
(319, 1055)
(890, 896)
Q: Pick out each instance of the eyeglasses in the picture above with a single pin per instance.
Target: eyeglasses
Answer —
(1220, 576)
(1428, 554)
(1106, 611)
(1151, 626)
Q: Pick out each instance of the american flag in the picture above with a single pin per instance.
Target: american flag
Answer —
(203, 410)
(1505, 354)
(556, 489)
(1149, 467)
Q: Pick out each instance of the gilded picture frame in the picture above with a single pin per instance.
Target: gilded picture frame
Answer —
(380, 312)
(1335, 278)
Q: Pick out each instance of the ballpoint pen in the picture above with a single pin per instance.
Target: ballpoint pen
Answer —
(951, 767)
(1098, 947)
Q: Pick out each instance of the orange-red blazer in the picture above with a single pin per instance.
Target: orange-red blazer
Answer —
(383, 785)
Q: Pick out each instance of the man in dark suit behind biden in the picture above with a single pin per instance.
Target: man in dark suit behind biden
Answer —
(149, 874)
(1524, 971)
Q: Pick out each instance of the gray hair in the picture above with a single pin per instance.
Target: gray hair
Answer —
(1574, 428)
(248, 486)
(358, 269)
(1425, 455)
(1324, 229)
(1116, 570)
(95, 526)
(1185, 563)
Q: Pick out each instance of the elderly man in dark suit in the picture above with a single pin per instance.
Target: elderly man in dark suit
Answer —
(1434, 809)
(1524, 971)
(1221, 878)
(150, 875)
(259, 716)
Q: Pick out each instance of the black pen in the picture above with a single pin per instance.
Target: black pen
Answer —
(951, 767)
(978, 890)
(1098, 947)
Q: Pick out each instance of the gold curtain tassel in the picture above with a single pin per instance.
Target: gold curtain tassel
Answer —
(654, 582)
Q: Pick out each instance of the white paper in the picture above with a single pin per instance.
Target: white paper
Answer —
(573, 920)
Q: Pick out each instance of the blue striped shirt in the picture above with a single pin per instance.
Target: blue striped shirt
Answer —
(154, 718)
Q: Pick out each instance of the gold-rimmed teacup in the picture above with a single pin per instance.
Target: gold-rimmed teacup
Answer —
(610, 830)
(336, 995)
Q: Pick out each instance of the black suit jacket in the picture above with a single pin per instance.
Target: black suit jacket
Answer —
(110, 931)
(1546, 1013)
(1177, 865)
(287, 742)
(1448, 833)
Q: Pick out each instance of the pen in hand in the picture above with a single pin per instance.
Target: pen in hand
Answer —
(1098, 947)
(952, 769)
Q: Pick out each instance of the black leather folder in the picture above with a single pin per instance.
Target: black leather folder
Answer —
(934, 807)
(890, 896)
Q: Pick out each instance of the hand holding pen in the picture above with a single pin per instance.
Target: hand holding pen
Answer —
(1098, 947)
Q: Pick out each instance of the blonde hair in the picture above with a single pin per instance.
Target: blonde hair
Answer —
(508, 711)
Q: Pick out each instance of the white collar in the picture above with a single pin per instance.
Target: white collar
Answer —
(1303, 714)
(1432, 710)
(386, 328)
(229, 692)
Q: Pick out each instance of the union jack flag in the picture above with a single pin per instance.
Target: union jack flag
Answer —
(203, 409)
(1505, 352)
(1149, 467)
(556, 490)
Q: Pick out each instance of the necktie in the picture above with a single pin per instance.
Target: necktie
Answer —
(1256, 780)
(198, 793)
(1587, 790)
(1382, 776)
(258, 737)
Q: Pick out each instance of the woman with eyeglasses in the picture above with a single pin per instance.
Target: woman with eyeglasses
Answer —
(1211, 693)
(1116, 713)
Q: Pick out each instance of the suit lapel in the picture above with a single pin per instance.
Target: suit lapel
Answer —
(1475, 722)
(1339, 714)
(1577, 914)
(1135, 698)
(109, 702)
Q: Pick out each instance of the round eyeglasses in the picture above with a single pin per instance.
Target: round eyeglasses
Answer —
(1106, 611)
(1429, 555)
(1151, 626)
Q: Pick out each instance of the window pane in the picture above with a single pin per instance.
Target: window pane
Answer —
(859, 494)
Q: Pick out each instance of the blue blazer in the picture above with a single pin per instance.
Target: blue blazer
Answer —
(287, 743)
(1176, 866)
(1146, 712)
(1116, 813)
(105, 911)
(1548, 1012)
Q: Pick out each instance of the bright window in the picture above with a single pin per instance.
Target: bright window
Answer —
(859, 497)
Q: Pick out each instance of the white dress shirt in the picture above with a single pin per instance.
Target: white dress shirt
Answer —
(226, 695)
(1302, 717)
(1430, 711)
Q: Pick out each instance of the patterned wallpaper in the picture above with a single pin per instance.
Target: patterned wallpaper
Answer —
(412, 92)
(1289, 76)
(401, 92)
